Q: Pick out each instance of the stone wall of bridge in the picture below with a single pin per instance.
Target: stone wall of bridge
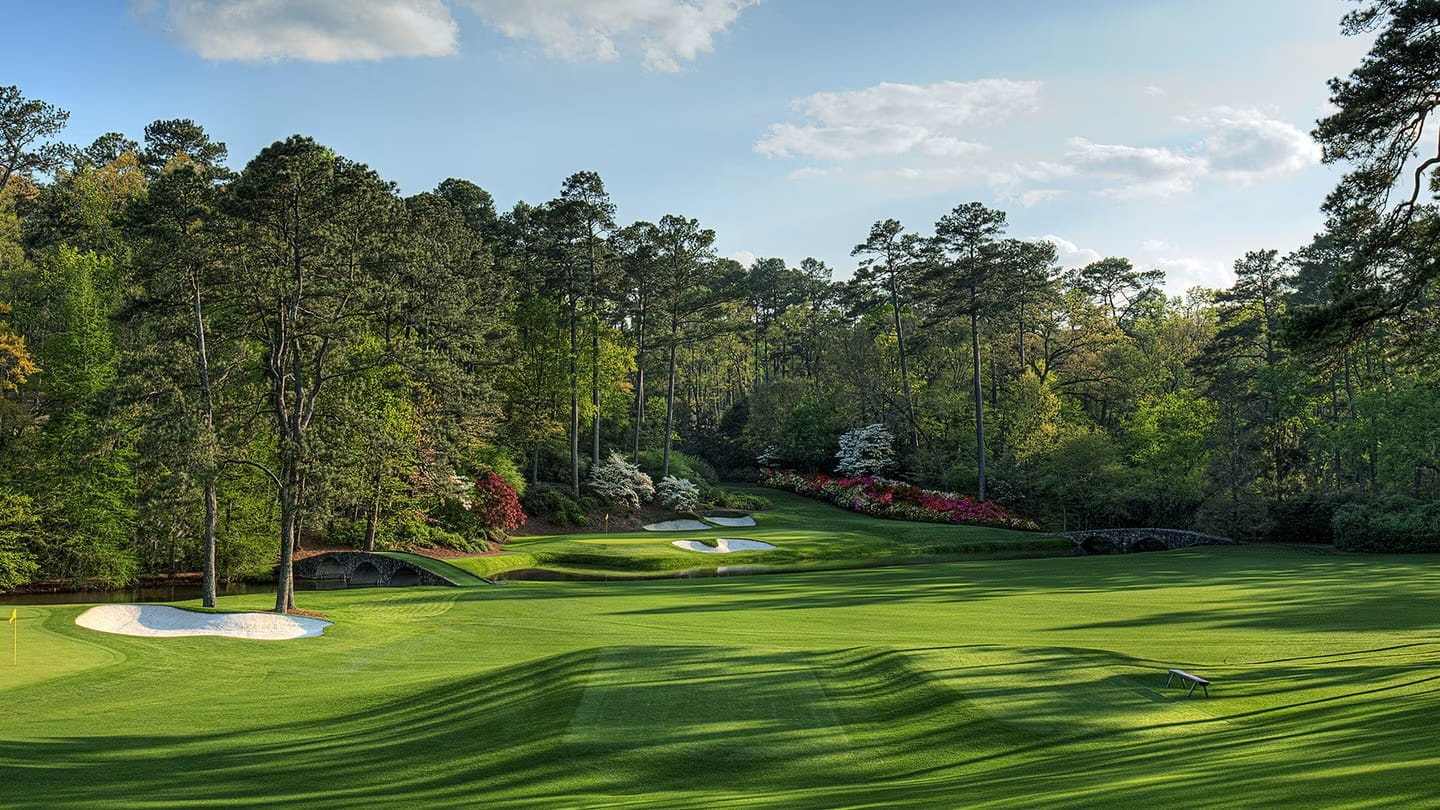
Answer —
(359, 568)
(1129, 541)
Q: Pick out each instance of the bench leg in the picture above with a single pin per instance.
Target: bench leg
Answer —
(1193, 684)
(1169, 679)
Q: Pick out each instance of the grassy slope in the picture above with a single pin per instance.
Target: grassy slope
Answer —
(459, 576)
(988, 683)
(806, 533)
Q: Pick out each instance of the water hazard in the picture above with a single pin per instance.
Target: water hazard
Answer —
(177, 592)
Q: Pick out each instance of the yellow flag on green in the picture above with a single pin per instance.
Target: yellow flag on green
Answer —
(12, 614)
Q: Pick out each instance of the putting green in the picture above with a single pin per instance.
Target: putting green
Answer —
(807, 535)
(1014, 683)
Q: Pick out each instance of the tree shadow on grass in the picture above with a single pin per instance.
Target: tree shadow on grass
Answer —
(710, 726)
(614, 721)
(1282, 590)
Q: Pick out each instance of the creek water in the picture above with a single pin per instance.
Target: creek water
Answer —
(177, 592)
(546, 575)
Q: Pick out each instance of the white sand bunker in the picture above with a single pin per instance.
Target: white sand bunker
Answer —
(165, 621)
(724, 545)
(732, 522)
(676, 526)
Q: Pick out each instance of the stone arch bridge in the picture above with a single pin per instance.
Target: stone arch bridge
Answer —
(359, 568)
(1129, 541)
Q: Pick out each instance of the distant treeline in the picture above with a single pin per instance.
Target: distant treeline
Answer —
(196, 358)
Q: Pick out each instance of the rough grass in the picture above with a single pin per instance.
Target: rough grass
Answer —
(1016, 683)
(806, 534)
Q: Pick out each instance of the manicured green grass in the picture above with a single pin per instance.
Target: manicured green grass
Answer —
(459, 576)
(807, 534)
(1015, 683)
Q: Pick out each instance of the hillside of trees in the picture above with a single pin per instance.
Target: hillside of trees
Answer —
(198, 359)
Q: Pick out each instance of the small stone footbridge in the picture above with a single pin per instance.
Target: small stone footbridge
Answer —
(1129, 541)
(359, 568)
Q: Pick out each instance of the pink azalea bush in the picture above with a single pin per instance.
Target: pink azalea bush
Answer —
(897, 500)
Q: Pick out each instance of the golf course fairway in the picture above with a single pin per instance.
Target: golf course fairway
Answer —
(986, 683)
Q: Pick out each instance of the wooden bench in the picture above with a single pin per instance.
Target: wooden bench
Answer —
(1195, 680)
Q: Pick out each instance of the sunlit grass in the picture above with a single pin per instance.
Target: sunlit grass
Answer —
(805, 533)
(1017, 683)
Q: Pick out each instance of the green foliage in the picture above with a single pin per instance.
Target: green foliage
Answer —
(1394, 525)
(246, 528)
(406, 533)
(728, 499)
(682, 465)
(500, 461)
(555, 506)
(1307, 518)
(450, 524)
(809, 435)
(18, 526)
(78, 354)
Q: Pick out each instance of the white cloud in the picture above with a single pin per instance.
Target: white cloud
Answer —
(946, 147)
(1246, 145)
(1155, 245)
(665, 32)
(897, 119)
(1184, 272)
(745, 258)
(1034, 197)
(841, 142)
(1070, 254)
(1154, 90)
(310, 30)
(813, 171)
(1240, 146)
(1145, 171)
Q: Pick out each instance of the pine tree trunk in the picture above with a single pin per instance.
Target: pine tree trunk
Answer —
(212, 510)
(669, 407)
(284, 597)
(904, 365)
(639, 380)
(595, 394)
(979, 398)
(574, 403)
(207, 404)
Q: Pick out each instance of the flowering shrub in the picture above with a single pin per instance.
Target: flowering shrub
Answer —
(768, 456)
(678, 494)
(865, 451)
(620, 482)
(897, 500)
(495, 505)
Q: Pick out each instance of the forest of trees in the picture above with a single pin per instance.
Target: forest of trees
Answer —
(202, 361)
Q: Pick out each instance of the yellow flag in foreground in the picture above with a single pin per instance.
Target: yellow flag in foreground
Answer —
(12, 614)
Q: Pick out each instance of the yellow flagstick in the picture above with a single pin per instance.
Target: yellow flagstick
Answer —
(14, 640)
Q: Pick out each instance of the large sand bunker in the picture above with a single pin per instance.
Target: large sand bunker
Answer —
(165, 621)
(725, 545)
(732, 522)
(676, 526)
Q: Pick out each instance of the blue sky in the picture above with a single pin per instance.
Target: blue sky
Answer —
(1168, 131)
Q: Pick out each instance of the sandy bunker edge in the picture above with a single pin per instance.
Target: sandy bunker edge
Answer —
(163, 621)
(724, 545)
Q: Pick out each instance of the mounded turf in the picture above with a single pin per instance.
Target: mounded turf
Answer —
(1017, 683)
(457, 575)
(806, 533)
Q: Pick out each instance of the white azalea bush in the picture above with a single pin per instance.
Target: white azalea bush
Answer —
(619, 482)
(678, 494)
(868, 450)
